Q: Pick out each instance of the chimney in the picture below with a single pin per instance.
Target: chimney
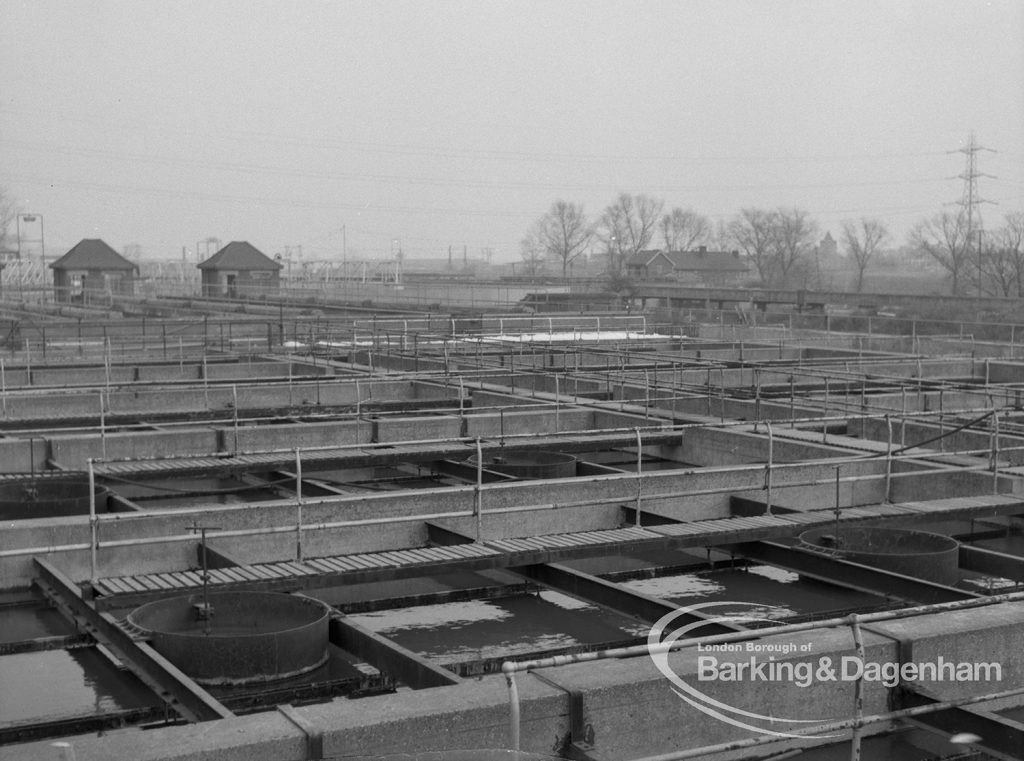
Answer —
(702, 250)
(735, 254)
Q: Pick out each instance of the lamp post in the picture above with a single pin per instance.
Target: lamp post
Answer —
(28, 218)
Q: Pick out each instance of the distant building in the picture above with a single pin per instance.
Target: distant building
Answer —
(700, 267)
(239, 270)
(828, 249)
(91, 272)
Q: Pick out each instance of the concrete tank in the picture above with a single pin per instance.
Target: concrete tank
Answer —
(249, 637)
(48, 498)
(920, 554)
(536, 464)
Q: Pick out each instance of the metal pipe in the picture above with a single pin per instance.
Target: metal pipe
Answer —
(558, 406)
(298, 505)
(995, 452)
(103, 428)
(768, 469)
(858, 692)
(93, 525)
(478, 495)
(639, 475)
(888, 459)
(513, 714)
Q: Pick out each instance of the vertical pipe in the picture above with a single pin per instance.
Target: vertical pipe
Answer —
(837, 506)
(768, 468)
(3, 386)
(206, 583)
(478, 506)
(558, 406)
(359, 399)
(858, 694)
(206, 386)
(513, 705)
(639, 474)
(234, 410)
(942, 438)
(647, 391)
(298, 505)
(888, 460)
(757, 394)
(995, 452)
(93, 526)
(721, 392)
(792, 403)
(103, 428)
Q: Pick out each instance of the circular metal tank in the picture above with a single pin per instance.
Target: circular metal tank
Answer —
(48, 498)
(536, 464)
(249, 637)
(932, 557)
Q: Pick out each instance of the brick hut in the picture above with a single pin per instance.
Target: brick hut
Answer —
(239, 270)
(92, 271)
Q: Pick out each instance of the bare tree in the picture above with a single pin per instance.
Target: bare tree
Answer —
(627, 226)
(752, 231)
(1002, 258)
(682, 229)
(532, 252)
(863, 238)
(946, 238)
(794, 236)
(563, 233)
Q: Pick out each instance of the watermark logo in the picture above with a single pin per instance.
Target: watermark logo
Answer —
(755, 661)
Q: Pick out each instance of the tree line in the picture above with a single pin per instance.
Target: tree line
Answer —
(779, 243)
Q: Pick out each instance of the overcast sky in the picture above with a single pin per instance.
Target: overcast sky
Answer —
(458, 123)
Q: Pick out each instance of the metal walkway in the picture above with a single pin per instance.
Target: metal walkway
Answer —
(355, 456)
(548, 548)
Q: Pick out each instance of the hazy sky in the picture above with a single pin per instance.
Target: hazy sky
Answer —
(458, 123)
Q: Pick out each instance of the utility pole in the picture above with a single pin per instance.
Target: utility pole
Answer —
(970, 200)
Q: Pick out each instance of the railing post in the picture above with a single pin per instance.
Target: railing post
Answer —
(478, 506)
(995, 451)
(639, 475)
(93, 526)
(298, 505)
(234, 409)
(768, 469)
(888, 460)
(558, 406)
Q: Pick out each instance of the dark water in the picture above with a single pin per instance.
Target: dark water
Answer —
(512, 626)
(166, 494)
(777, 593)
(24, 622)
(908, 745)
(65, 683)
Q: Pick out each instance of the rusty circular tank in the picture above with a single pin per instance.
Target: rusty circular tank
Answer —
(531, 464)
(920, 554)
(48, 498)
(246, 637)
